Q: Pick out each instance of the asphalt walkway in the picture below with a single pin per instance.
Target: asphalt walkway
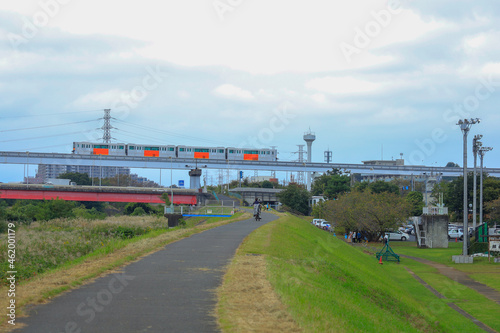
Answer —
(171, 290)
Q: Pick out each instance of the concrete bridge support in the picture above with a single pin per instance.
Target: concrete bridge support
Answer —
(195, 179)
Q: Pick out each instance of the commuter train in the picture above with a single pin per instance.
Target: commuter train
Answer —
(213, 153)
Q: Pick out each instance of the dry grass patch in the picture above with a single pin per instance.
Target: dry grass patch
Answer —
(42, 288)
(247, 301)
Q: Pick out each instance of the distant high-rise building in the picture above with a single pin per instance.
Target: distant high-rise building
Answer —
(46, 171)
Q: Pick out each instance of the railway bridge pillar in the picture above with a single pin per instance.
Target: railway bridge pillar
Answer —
(195, 179)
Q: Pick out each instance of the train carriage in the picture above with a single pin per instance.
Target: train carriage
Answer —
(90, 148)
(213, 153)
(198, 152)
(251, 154)
(151, 150)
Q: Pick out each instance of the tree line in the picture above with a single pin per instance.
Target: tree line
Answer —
(375, 207)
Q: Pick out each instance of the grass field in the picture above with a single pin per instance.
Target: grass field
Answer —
(481, 270)
(329, 286)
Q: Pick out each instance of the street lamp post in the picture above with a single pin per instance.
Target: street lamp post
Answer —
(426, 203)
(475, 146)
(482, 151)
(465, 126)
(171, 187)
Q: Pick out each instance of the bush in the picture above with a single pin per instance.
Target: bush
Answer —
(89, 214)
(477, 247)
(131, 207)
(3, 227)
(138, 211)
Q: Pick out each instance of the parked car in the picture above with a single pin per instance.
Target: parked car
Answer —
(325, 225)
(316, 222)
(408, 229)
(397, 235)
(455, 233)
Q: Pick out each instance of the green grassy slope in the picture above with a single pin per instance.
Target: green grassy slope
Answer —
(330, 286)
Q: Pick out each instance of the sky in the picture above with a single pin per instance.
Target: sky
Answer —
(372, 79)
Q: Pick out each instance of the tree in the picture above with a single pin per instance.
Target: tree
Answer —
(416, 201)
(380, 186)
(370, 213)
(78, 178)
(165, 199)
(452, 165)
(493, 210)
(453, 192)
(267, 184)
(295, 197)
(331, 184)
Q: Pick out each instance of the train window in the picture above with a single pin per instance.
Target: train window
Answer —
(121, 147)
(182, 149)
(221, 151)
(231, 151)
(171, 149)
(152, 148)
(131, 147)
(199, 150)
(101, 146)
(253, 152)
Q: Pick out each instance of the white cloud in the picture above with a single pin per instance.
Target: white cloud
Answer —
(233, 92)
(183, 94)
(491, 68)
(319, 98)
(97, 100)
(342, 85)
(474, 42)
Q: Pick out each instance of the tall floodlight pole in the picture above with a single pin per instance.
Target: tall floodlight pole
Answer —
(475, 146)
(171, 188)
(482, 151)
(465, 126)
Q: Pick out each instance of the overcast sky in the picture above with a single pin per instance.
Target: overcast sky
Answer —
(372, 78)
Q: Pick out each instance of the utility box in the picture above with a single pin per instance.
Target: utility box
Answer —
(432, 231)
(173, 219)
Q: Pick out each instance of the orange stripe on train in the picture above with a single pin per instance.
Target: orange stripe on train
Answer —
(101, 151)
(201, 155)
(151, 153)
(250, 157)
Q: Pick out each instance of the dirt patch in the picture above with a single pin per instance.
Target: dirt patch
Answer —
(247, 301)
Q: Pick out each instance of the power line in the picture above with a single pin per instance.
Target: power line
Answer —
(37, 148)
(168, 133)
(50, 114)
(37, 127)
(42, 137)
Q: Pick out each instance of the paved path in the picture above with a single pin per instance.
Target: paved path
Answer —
(171, 290)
